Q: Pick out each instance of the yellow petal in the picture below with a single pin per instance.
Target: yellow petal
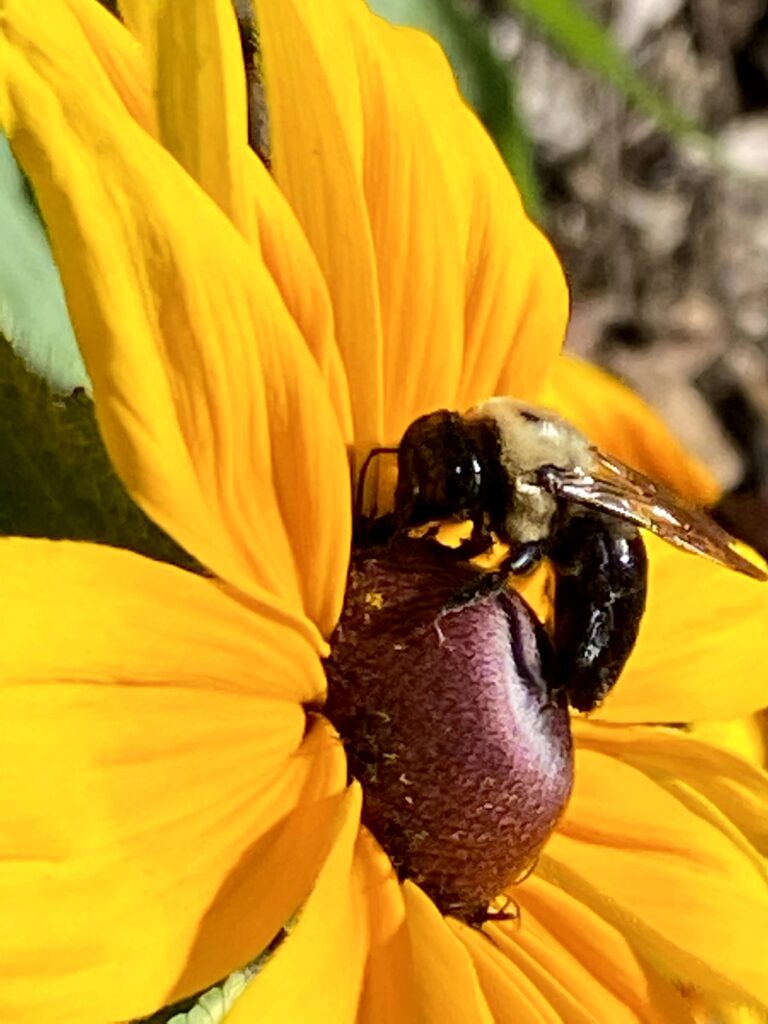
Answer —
(201, 96)
(462, 271)
(218, 640)
(690, 901)
(701, 644)
(199, 83)
(412, 196)
(437, 262)
(316, 126)
(293, 265)
(389, 990)
(284, 247)
(727, 1013)
(447, 986)
(155, 779)
(317, 972)
(580, 962)
(512, 996)
(121, 57)
(141, 19)
(541, 321)
(745, 737)
(211, 406)
(620, 423)
(735, 790)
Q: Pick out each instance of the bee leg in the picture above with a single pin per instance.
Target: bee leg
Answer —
(524, 558)
(601, 570)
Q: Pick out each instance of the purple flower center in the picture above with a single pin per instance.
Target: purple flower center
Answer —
(461, 746)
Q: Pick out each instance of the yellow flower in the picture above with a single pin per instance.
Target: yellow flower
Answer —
(166, 802)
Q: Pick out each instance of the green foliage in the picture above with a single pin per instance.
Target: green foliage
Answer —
(33, 311)
(580, 37)
(56, 479)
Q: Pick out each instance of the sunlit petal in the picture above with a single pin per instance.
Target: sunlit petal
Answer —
(121, 57)
(199, 83)
(294, 268)
(511, 993)
(745, 737)
(317, 136)
(201, 95)
(415, 211)
(389, 990)
(734, 788)
(154, 780)
(461, 272)
(700, 639)
(447, 985)
(688, 899)
(317, 972)
(536, 327)
(581, 961)
(210, 403)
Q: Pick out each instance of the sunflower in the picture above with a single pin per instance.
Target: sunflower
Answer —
(168, 800)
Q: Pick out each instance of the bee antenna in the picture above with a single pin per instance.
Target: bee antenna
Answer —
(360, 492)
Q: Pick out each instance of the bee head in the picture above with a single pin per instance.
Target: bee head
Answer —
(439, 470)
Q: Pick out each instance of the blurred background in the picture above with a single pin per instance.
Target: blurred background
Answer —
(637, 131)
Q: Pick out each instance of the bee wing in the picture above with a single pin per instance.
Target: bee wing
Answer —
(620, 491)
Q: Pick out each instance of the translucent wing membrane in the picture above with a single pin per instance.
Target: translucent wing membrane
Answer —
(612, 487)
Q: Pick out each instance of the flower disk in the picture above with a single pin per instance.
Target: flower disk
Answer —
(463, 750)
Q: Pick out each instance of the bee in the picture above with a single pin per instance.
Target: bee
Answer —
(528, 478)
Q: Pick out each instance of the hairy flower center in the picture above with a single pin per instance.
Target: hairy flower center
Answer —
(462, 748)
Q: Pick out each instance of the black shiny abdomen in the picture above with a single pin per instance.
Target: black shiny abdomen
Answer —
(601, 569)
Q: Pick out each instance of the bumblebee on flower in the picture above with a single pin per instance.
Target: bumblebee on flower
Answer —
(168, 802)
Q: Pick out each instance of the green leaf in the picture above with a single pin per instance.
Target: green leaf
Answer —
(580, 37)
(56, 479)
(484, 79)
(33, 312)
